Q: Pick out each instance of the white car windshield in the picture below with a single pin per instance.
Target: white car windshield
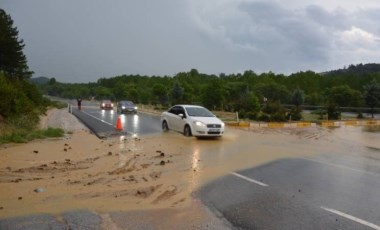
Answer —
(198, 112)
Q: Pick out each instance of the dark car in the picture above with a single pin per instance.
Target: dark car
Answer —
(106, 104)
(126, 107)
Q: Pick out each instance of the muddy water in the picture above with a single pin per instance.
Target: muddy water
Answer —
(130, 173)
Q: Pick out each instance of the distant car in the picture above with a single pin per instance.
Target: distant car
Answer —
(126, 107)
(192, 120)
(106, 104)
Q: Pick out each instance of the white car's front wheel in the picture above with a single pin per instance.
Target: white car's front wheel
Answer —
(165, 126)
(187, 131)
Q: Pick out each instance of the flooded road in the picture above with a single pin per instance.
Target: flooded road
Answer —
(165, 170)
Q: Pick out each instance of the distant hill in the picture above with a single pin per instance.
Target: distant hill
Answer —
(358, 69)
(40, 80)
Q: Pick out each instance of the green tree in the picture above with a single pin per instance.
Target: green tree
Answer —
(297, 100)
(12, 59)
(177, 93)
(273, 92)
(213, 95)
(160, 92)
(343, 96)
(103, 93)
(273, 111)
(298, 97)
(340, 96)
(372, 95)
(52, 81)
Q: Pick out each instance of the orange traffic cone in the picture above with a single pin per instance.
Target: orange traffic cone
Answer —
(119, 126)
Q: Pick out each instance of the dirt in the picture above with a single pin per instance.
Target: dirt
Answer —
(81, 171)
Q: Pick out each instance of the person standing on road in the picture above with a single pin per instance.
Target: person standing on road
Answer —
(79, 100)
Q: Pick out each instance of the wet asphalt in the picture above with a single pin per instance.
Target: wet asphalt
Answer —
(103, 123)
(297, 194)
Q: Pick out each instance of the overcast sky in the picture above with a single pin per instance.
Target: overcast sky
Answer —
(84, 40)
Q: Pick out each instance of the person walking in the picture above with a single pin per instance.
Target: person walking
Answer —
(79, 100)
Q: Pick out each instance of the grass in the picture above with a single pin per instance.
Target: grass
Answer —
(21, 128)
(23, 136)
(58, 104)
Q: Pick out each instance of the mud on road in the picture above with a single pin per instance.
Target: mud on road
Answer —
(161, 171)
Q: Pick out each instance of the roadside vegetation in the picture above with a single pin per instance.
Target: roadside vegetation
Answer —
(262, 97)
(22, 102)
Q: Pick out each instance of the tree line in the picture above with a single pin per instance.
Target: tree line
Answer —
(265, 96)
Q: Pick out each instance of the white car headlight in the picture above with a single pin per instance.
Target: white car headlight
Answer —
(136, 107)
(199, 123)
(123, 107)
(223, 124)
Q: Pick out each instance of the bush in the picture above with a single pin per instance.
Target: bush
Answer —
(278, 117)
(333, 112)
(252, 115)
(263, 117)
(295, 114)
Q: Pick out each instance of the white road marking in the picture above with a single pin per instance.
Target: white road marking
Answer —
(358, 220)
(97, 118)
(341, 166)
(249, 179)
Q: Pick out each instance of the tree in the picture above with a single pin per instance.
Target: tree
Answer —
(213, 95)
(372, 95)
(298, 97)
(343, 96)
(160, 92)
(340, 96)
(52, 81)
(177, 93)
(12, 59)
(272, 91)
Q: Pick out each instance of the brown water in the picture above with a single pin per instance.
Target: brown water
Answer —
(152, 172)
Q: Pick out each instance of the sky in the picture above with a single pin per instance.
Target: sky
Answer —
(80, 41)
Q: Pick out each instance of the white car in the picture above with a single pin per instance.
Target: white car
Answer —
(192, 120)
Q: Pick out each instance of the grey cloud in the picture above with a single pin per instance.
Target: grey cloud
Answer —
(83, 40)
(337, 19)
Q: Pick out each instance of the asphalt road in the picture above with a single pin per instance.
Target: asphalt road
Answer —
(297, 194)
(103, 122)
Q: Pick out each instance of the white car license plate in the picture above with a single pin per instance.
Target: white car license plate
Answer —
(213, 130)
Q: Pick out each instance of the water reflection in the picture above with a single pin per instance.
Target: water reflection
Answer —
(196, 174)
(372, 128)
(122, 151)
(195, 158)
(135, 121)
(107, 114)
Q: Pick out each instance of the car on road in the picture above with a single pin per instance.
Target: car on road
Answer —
(192, 120)
(126, 107)
(106, 104)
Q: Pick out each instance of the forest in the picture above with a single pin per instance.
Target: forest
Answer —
(265, 96)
